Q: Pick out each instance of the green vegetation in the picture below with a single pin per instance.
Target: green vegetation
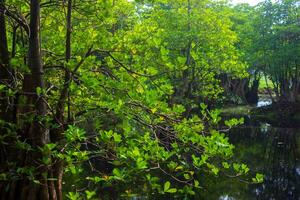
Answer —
(268, 41)
(117, 98)
(265, 83)
(236, 110)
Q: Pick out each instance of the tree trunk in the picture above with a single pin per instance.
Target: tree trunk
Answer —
(34, 132)
(252, 91)
(57, 134)
(38, 134)
(6, 73)
(6, 102)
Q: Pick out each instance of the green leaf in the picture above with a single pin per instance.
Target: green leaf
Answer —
(167, 186)
(181, 60)
(38, 91)
(187, 176)
(37, 182)
(171, 190)
(259, 178)
(226, 165)
(215, 170)
(90, 194)
(117, 138)
(196, 183)
(2, 87)
(203, 106)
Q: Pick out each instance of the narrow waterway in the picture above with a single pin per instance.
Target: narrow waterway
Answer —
(272, 151)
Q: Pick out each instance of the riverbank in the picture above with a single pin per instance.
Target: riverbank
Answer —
(281, 114)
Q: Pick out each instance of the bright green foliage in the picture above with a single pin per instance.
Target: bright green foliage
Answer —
(137, 70)
(269, 38)
(258, 178)
(178, 154)
(188, 43)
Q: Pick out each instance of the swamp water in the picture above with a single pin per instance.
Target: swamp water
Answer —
(272, 151)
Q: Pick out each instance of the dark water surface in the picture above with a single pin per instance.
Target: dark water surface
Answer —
(275, 152)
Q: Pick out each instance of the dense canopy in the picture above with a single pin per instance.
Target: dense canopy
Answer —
(115, 99)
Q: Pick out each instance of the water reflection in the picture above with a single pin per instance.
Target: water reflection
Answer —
(298, 171)
(226, 197)
(264, 101)
(275, 152)
(265, 127)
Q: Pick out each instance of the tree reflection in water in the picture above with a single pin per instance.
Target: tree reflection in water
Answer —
(275, 152)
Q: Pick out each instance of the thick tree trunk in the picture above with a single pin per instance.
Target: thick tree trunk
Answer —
(34, 132)
(6, 73)
(288, 91)
(6, 102)
(37, 133)
(35, 64)
(252, 92)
